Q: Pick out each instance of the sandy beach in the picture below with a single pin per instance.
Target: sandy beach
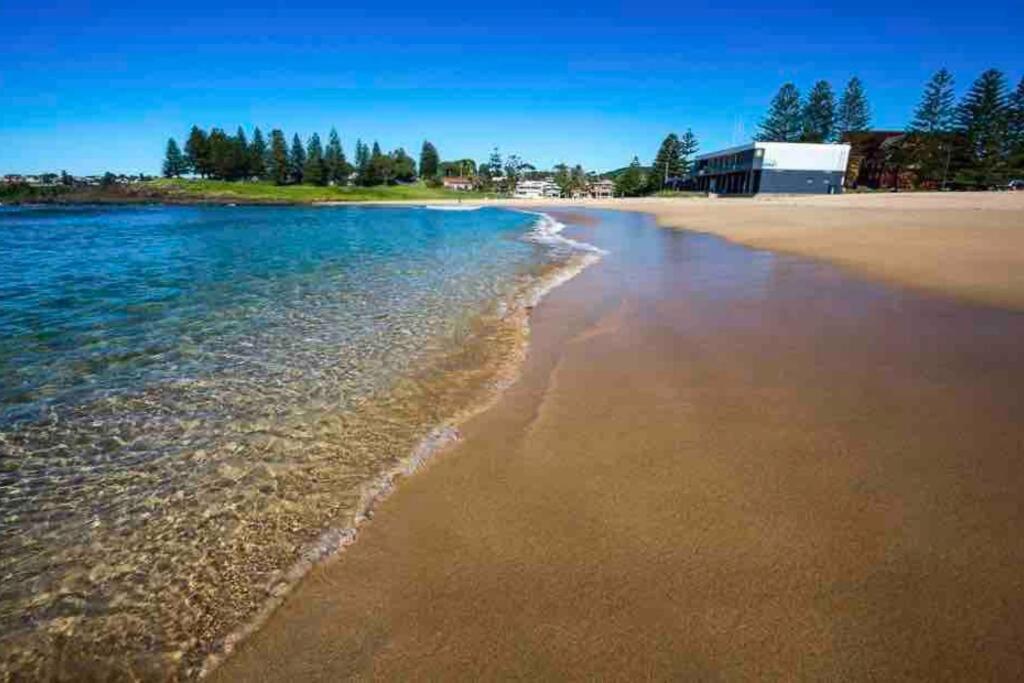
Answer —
(965, 244)
(718, 463)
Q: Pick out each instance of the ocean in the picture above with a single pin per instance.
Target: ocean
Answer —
(196, 403)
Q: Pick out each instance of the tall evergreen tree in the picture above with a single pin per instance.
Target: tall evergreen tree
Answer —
(632, 181)
(1015, 128)
(220, 154)
(197, 152)
(429, 159)
(983, 117)
(668, 163)
(495, 163)
(278, 168)
(937, 111)
(362, 156)
(854, 114)
(297, 160)
(315, 170)
(174, 160)
(784, 121)
(688, 147)
(929, 143)
(378, 170)
(240, 160)
(819, 114)
(258, 155)
(334, 160)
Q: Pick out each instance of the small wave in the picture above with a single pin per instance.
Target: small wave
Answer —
(548, 231)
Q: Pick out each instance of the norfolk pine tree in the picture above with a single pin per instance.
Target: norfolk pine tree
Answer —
(258, 155)
(667, 163)
(784, 122)
(278, 166)
(296, 160)
(983, 117)
(854, 114)
(429, 160)
(931, 132)
(819, 114)
(314, 171)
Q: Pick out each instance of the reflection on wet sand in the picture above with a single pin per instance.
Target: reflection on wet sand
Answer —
(718, 463)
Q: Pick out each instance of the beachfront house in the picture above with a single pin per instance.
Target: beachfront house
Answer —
(773, 167)
(536, 189)
(458, 183)
(601, 189)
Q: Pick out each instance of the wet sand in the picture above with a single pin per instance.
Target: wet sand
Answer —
(964, 244)
(969, 245)
(717, 463)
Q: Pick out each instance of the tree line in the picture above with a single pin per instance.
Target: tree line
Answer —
(671, 166)
(978, 141)
(220, 156)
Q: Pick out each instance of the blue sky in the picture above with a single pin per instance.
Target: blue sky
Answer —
(91, 86)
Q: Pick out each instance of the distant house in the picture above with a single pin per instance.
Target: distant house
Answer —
(776, 167)
(457, 183)
(601, 189)
(13, 179)
(537, 189)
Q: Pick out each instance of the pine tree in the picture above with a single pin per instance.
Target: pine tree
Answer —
(278, 168)
(688, 147)
(819, 114)
(667, 164)
(362, 156)
(983, 117)
(314, 171)
(197, 152)
(854, 114)
(783, 123)
(631, 182)
(220, 151)
(429, 160)
(929, 142)
(563, 178)
(258, 155)
(378, 169)
(240, 166)
(495, 163)
(174, 161)
(334, 160)
(937, 111)
(297, 160)
(1015, 128)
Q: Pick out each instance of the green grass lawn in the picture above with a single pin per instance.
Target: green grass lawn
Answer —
(260, 191)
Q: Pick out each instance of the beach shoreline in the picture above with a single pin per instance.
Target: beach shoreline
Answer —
(614, 491)
(964, 244)
(514, 320)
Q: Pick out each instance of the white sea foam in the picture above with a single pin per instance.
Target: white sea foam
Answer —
(452, 207)
(548, 231)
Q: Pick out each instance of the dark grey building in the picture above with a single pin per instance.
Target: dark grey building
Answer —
(778, 167)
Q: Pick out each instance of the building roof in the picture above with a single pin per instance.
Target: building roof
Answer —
(757, 144)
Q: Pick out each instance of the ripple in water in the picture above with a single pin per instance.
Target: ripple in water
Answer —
(190, 397)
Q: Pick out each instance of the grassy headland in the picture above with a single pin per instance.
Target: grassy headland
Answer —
(179, 190)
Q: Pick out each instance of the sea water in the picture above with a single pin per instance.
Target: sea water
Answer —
(193, 398)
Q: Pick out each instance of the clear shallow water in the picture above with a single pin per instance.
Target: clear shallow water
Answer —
(189, 396)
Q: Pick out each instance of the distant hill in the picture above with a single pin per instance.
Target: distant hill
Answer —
(612, 175)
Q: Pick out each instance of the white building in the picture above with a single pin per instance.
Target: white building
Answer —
(780, 167)
(536, 189)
